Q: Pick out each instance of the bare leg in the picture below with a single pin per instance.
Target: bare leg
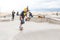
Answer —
(21, 28)
(20, 25)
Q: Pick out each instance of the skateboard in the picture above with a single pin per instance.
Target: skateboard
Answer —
(21, 28)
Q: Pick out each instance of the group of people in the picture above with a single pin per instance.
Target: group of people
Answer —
(25, 15)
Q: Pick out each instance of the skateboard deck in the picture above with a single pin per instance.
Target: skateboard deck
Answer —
(21, 28)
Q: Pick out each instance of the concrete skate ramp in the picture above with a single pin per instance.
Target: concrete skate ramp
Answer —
(51, 34)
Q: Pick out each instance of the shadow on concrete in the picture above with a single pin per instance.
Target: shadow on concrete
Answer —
(51, 34)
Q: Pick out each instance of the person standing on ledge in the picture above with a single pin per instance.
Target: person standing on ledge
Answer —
(13, 15)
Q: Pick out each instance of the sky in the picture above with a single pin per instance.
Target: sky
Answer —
(19, 5)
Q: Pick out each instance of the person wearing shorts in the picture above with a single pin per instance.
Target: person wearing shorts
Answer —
(25, 14)
(22, 16)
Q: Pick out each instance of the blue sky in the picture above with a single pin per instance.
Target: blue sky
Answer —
(9, 5)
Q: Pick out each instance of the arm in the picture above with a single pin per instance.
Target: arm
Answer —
(21, 15)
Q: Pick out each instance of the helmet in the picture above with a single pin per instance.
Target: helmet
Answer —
(25, 9)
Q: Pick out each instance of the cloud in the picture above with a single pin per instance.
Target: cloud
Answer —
(6, 5)
(47, 4)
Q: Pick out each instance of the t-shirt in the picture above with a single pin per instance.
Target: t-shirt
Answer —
(23, 14)
(28, 14)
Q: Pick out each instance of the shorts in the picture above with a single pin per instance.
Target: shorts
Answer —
(22, 21)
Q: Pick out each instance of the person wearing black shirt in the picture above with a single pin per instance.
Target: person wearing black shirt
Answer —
(23, 15)
(13, 14)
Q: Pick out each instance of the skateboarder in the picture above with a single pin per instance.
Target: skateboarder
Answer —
(22, 17)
